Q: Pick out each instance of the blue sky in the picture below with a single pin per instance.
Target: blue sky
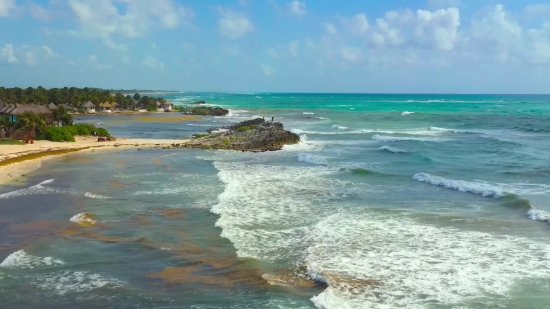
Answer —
(407, 46)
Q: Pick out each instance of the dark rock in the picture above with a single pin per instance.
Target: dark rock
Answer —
(251, 135)
(205, 111)
(199, 102)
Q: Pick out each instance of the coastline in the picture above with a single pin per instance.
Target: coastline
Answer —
(16, 161)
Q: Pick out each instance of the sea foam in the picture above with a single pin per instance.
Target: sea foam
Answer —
(312, 159)
(461, 185)
(36, 189)
(392, 149)
(22, 260)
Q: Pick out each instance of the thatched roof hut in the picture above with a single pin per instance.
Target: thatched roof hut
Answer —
(52, 106)
(89, 104)
(33, 108)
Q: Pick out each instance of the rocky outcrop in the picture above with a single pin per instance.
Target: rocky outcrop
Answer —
(205, 111)
(252, 135)
(235, 127)
(199, 102)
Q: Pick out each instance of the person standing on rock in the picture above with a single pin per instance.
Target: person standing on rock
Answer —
(272, 118)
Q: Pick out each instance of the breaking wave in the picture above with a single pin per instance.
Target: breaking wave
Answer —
(483, 189)
(392, 149)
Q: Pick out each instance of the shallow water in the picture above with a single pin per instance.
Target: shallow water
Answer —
(446, 206)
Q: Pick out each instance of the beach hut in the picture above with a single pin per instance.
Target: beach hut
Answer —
(167, 106)
(89, 107)
(105, 107)
(3, 105)
(52, 106)
(114, 107)
(18, 109)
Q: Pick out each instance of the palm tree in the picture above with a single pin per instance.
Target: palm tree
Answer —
(62, 115)
(30, 120)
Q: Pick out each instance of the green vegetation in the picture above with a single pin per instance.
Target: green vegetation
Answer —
(226, 141)
(243, 129)
(9, 141)
(204, 111)
(59, 134)
(67, 134)
(102, 132)
(75, 97)
(198, 135)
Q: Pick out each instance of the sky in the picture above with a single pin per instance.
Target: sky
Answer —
(362, 46)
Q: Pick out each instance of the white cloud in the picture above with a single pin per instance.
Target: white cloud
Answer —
(297, 8)
(426, 29)
(329, 28)
(350, 53)
(92, 58)
(117, 47)
(37, 12)
(102, 18)
(26, 55)
(7, 54)
(234, 25)
(537, 10)
(153, 45)
(293, 48)
(243, 2)
(152, 62)
(6, 6)
(268, 70)
(358, 24)
(125, 59)
(49, 52)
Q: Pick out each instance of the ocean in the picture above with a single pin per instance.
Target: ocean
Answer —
(388, 201)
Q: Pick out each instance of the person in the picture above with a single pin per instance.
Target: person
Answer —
(272, 118)
(263, 118)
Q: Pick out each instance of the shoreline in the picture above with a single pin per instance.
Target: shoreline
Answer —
(16, 161)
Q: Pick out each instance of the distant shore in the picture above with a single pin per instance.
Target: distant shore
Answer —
(18, 160)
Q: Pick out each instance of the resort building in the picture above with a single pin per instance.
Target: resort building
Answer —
(89, 107)
(52, 106)
(105, 107)
(13, 110)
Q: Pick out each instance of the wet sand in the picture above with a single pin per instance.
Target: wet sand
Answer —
(16, 161)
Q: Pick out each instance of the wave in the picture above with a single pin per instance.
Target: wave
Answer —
(339, 127)
(308, 113)
(438, 129)
(392, 149)
(312, 159)
(402, 138)
(84, 219)
(36, 189)
(483, 189)
(364, 172)
(22, 260)
(93, 195)
(350, 253)
(405, 113)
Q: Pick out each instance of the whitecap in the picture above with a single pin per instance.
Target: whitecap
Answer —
(83, 219)
(94, 195)
(22, 260)
(392, 149)
(405, 113)
(308, 113)
(339, 127)
(312, 159)
(381, 261)
(388, 138)
(36, 189)
(483, 189)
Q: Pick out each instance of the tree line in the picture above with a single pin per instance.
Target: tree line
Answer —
(73, 96)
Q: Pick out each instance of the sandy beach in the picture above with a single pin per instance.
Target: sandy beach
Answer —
(16, 161)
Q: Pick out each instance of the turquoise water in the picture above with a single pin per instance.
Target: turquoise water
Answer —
(389, 201)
